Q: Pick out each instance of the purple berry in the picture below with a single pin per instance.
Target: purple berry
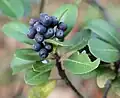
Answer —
(59, 34)
(31, 33)
(49, 47)
(43, 53)
(49, 33)
(37, 47)
(62, 26)
(45, 20)
(32, 21)
(54, 21)
(39, 38)
(41, 29)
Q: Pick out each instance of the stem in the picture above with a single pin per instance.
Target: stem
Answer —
(109, 82)
(42, 3)
(64, 76)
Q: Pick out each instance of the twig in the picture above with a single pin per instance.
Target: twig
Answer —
(64, 76)
(109, 82)
(107, 88)
(42, 3)
(105, 13)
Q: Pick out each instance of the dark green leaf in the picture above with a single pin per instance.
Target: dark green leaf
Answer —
(19, 64)
(42, 91)
(103, 50)
(18, 31)
(27, 54)
(42, 68)
(35, 78)
(12, 8)
(80, 64)
(67, 13)
(105, 31)
(103, 75)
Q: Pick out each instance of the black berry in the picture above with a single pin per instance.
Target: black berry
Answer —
(62, 26)
(36, 24)
(54, 21)
(49, 33)
(31, 33)
(41, 29)
(46, 20)
(37, 47)
(49, 47)
(32, 21)
(39, 38)
(43, 53)
(59, 34)
(43, 14)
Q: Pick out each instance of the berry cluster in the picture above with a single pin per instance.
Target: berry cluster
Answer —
(45, 27)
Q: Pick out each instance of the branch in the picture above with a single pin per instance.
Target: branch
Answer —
(105, 13)
(64, 76)
(109, 82)
(42, 3)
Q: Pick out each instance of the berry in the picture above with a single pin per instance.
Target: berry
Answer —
(31, 33)
(59, 34)
(43, 14)
(41, 29)
(62, 26)
(54, 21)
(49, 47)
(36, 24)
(46, 20)
(43, 53)
(37, 47)
(39, 38)
(49, 33)
(32, 21)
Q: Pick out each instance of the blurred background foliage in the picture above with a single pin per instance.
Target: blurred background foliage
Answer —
(13, 86)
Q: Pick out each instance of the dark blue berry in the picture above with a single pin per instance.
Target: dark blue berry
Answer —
(48, 46)
(46, 20)
(41, 29)
(36, 24)
(32, 21)
(43, 14)
(31, 33)
(37, 47)
(54, 21)
(39, 38)
(59, 34)
(62, 26)
(49, 33)
(43, 53)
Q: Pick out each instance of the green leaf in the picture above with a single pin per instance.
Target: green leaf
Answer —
(92, 13)
(67, 13)
(103, 50)
(27, 54)
(79, 40)
(80, 64)
(116, 87)
(12, 8)
(105, 31)
(19, 64)
(35, 78)
(42, 68)
(27, 7)
(42, 91)
(103, 75)
(18, 31)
